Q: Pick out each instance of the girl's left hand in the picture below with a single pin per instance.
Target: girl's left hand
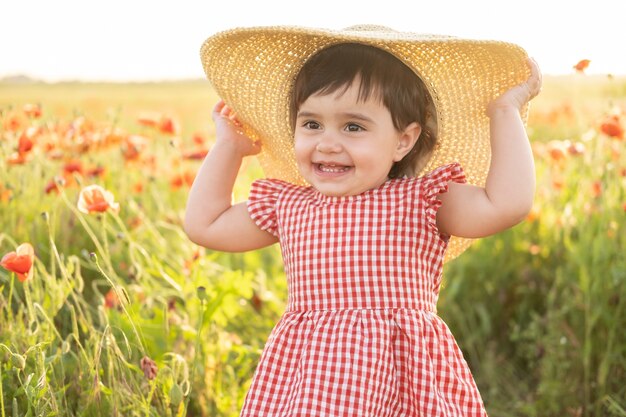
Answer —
(229, 131)
(521, 94)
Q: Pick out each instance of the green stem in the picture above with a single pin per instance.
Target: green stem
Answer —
(587, 346)
(123, 301)
(1, 394)
(147, 402)
(29, 304)
(38, 307)
(26, 392)
(57, 257)
(105, 237)
(122, 226)
(88, 229)
(197, 349)
(10, 307)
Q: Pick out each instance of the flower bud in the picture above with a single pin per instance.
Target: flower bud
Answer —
(176, 395)
(149, 368)
(201, 293)
(18, 361)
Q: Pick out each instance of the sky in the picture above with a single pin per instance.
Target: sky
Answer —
(142, 40)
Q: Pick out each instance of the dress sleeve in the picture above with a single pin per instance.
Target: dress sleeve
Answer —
(435, 183)
(262, 203)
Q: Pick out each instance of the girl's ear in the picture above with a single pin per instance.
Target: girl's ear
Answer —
(407, 139)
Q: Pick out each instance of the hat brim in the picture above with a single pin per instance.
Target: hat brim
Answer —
(253, 70)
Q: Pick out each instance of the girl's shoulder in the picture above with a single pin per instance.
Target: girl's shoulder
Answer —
(272, 189)
(433, 182)
(265, 196)
(436, 181)
(272, 184)
(441, 176)
(277, 185)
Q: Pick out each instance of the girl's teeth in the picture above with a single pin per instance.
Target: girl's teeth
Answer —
(332, 168)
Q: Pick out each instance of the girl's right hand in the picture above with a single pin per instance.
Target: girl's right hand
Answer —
(211, 219)
(519, 95)
(229, 130)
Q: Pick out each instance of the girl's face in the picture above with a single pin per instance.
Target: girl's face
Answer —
(344, 146)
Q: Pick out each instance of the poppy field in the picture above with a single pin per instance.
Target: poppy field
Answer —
(107, 309)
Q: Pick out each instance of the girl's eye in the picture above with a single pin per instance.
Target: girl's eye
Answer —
(351, 127)
(311, 125)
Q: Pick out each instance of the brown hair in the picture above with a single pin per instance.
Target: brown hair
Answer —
(381, 74)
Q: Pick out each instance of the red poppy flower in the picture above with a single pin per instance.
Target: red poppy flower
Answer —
(612, 127)
(13, 123)
(138, 187)
(111, 300)
(596, 189)
(148, 119)
(21, 261)
(186, 178)
(17, 159)
(73, 166)
(97, 171)
(51, 186)
(32, 110)
(6, 194)
(198, 139)
(195, 155)
(582, 65)
(168, 126)
(25, 144)
(95, 199)
(133, 146)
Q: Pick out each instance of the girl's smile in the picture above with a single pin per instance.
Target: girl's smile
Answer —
(345, 145)
(330, 169)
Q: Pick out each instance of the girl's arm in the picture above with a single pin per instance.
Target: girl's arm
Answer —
(472, 212)
(210, 218)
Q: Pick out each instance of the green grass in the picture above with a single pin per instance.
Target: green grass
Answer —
(538, 310)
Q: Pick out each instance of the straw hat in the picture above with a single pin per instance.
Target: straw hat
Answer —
(253, 70)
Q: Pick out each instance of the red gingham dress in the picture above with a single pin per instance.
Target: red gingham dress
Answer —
(360, 335)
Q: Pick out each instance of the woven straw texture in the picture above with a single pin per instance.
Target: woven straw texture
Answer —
(253, 70)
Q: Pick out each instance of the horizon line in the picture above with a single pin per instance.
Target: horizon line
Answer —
(27, 79)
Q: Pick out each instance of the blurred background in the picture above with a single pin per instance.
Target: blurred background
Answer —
(156, 40)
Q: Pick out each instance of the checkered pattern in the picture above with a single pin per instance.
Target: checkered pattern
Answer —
(360, 336)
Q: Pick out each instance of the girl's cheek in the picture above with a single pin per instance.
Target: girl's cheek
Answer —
(299, 147)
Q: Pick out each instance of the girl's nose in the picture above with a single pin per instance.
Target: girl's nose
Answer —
(328, 143)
